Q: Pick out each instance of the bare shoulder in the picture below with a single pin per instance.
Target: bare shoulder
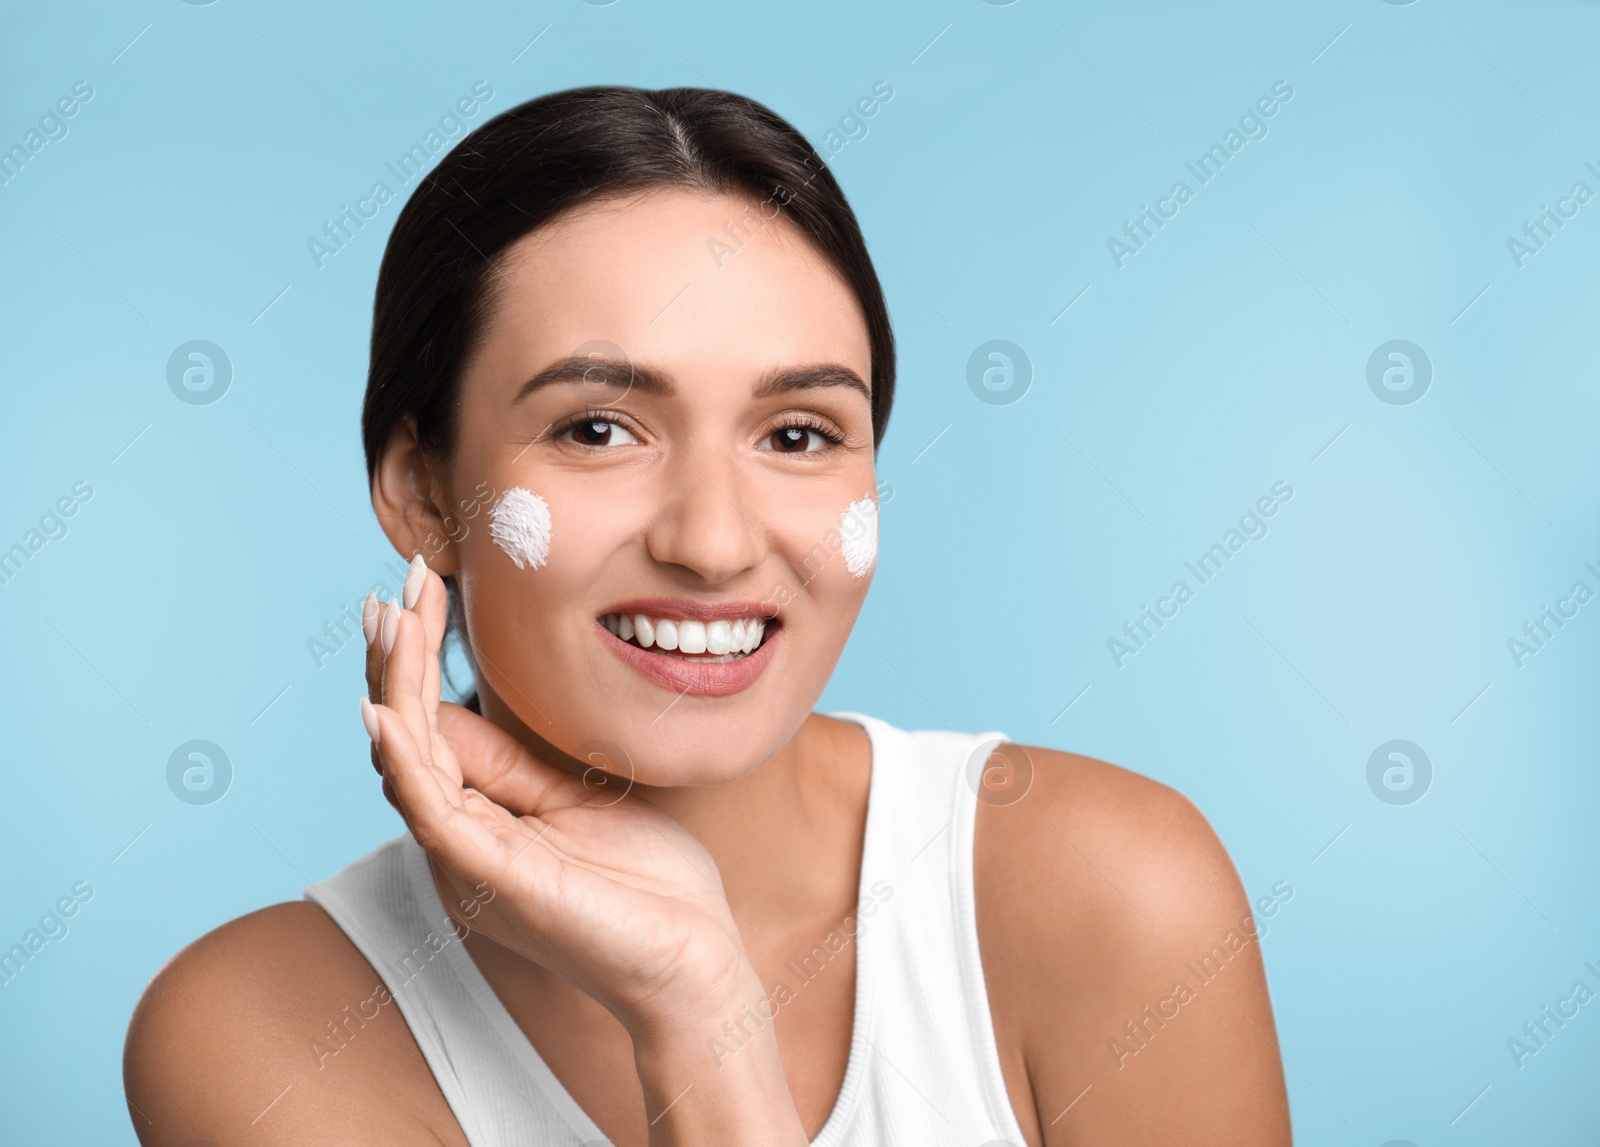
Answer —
(275, 1026)
(1121, 959)
(1078, 818)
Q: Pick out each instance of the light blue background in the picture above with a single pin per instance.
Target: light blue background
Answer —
(1226, 355)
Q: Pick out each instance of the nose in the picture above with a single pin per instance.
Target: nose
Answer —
(705, 523)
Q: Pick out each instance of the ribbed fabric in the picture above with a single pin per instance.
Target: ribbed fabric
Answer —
(923, 1067)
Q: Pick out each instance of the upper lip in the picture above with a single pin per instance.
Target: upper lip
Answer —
(677, 607)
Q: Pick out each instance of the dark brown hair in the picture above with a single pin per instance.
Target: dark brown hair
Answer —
(524, 167)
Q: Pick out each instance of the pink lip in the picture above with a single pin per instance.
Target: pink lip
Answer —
(693, 610)
(698, 679)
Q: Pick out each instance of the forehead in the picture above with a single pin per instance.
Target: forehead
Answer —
(675, 278)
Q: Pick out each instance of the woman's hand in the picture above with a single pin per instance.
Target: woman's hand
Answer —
(610, 892)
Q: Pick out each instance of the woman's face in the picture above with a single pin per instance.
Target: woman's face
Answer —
(705, 460)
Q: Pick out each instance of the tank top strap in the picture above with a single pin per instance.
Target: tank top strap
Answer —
(499, 1089)
(933, 1071)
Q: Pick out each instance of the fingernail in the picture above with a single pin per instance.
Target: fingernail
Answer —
(414, 579)
(369, 617)
(369, 718)
(391, 624)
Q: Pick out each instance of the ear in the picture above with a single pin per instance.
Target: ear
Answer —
(410, 497)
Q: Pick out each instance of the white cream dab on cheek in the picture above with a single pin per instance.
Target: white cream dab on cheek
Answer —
(858, 526)
(519, 523)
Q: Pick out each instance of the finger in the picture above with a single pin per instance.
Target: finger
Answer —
(394, 800)
(429, 803)
(369, 719)
(500, 829)
(430, 601)
(499, 766)
(403, 673)
(425, 595)
(371, 616)
(412, 661)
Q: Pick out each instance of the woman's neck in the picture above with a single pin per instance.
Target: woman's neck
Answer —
(786, 837)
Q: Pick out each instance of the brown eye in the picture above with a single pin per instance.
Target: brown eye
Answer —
(799, 438)
(791, 439)
(599, 432)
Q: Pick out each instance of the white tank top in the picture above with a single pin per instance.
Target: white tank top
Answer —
(923, 1067)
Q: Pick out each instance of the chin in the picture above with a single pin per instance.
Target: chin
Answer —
(691, 710)
(707, 741)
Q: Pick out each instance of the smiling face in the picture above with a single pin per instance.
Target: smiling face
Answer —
(700, 438)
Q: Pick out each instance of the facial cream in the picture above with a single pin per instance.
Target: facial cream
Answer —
(858, 527)
(519, 523)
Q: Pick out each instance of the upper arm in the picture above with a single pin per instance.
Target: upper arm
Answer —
(273, 1028)
(1123, 963)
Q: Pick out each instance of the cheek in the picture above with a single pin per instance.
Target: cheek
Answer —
(833, 548)
(540, 551)
(566, 532)
(519, 523)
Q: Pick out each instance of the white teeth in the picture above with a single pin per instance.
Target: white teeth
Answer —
(691, 636)
(722, 639)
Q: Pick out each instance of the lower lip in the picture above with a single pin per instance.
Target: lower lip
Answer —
(696, 678)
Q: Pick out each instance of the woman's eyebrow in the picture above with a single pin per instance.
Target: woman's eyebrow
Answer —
(808, 378)
(598, 372)
(621, 375)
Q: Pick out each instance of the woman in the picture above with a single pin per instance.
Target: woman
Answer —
(630, 368)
